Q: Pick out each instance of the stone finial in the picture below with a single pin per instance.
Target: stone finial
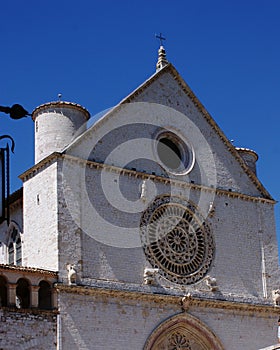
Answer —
(162, 61)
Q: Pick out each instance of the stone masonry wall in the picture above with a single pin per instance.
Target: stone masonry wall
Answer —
(40, 220)
(27, 331)
(107, 208)
(106, 322)
(164, 105)
(107, 246)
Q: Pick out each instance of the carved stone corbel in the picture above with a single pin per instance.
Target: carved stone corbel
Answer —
(211, 283)
(73, 277)
(276, 297)
(150, 276)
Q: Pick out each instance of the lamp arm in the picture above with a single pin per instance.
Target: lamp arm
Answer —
(10, 138)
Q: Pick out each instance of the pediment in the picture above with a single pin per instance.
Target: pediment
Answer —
(127, 135)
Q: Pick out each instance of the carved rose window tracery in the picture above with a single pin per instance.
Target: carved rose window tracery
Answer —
(178, 341)
(177, 240)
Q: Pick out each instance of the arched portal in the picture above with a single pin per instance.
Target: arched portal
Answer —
(183, 332)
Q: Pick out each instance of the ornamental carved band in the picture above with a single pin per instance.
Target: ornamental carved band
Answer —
(177, 240)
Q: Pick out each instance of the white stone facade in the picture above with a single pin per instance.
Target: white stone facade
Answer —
(92, 194)
(40, 216)
(133, 321)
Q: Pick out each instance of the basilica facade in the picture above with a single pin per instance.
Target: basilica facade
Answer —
(147, 229)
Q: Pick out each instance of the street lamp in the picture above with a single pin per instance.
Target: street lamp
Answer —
(15, 112)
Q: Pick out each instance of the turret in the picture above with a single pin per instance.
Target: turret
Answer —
(56, 125)
(249, 156)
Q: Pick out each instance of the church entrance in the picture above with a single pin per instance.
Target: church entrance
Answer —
(183, 332)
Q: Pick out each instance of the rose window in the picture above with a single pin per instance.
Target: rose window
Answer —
(176, 240)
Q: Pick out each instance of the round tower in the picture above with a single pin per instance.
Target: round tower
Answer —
(56, 125)
(249, 156)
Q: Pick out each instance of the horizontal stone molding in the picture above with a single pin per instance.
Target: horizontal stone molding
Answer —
(138, 174)
(59, 104)
(163, 300)
(21, 269)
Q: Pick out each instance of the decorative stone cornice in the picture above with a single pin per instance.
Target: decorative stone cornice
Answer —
(21, 269)
(138, 174)
(172, 300)
(60, 104)
(43, 164)
(247, 150)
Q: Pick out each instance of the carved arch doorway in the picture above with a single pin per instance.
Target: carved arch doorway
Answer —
(183, 332)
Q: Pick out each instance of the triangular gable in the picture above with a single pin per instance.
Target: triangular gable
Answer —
(136, 96)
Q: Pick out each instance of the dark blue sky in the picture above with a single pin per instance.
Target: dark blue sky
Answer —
(96, 52)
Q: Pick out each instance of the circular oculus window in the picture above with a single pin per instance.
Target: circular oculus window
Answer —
(174, 154)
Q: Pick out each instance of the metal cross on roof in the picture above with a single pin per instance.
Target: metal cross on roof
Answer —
(161, 38)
